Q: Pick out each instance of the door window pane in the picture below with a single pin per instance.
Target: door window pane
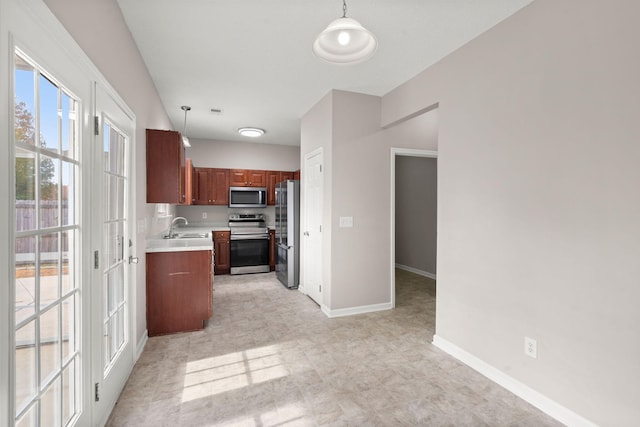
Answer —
(25, 364)
(49, 269)
(68, 193)
(25, 77)
(68, 393)
(25, 253)
(49, 177)
(68, 261)
(50, 405)
(68, 328)
(25, 164)
(50, 343)
(29, 418)
(68, 125)
(49, 119)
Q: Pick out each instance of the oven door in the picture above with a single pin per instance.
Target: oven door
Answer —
(249, 254)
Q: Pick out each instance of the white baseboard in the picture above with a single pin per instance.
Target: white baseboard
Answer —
(540, 401)
(416, 271)
(141, 344)
(356, 310)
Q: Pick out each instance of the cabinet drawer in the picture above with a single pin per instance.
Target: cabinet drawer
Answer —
(221, 235)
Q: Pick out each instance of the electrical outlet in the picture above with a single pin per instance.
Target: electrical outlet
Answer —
(204, 215)
(530, 347)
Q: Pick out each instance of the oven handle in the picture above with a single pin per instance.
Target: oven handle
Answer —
(249, 237)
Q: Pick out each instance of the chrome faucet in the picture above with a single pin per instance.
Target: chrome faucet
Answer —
(171, 235)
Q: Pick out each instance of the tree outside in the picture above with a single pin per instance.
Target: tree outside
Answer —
(25, 166)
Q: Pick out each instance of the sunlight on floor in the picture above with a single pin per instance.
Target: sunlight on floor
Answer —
(220, 374)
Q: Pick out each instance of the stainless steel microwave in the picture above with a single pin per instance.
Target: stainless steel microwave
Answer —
(247, 197)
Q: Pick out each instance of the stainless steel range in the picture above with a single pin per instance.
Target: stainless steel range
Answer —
(249, 243)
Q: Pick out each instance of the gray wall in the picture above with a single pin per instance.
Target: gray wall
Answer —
(243, 155)
(416, 212)
(357, 167)
(538, 200)
(99, 28)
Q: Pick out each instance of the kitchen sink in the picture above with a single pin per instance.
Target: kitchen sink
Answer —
(188, 236)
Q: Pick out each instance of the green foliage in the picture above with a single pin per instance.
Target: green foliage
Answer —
(25, 166)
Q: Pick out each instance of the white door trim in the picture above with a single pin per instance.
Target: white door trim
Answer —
(410, 152)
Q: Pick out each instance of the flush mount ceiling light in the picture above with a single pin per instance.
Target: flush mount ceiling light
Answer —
(345, 41)
(185, 140)
(251, 132)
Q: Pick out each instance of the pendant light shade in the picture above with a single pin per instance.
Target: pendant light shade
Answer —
(345, 41)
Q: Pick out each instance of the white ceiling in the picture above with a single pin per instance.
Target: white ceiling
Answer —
(253, 58)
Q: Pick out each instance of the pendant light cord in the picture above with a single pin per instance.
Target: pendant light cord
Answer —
(185, 108)
(344, 8)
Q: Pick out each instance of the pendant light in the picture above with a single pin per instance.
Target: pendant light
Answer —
(345, 41)
(185, 140)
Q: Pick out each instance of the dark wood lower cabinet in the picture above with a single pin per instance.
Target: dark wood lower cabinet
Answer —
(221, 244)
(272, 249)
(179, 291)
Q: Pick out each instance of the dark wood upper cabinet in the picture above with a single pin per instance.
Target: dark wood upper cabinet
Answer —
(189, 182)
(211, 186)
(165, 167)
(247, 178)
(274, 177)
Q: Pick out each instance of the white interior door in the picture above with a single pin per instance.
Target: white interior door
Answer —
(312, 234)
(113, 353)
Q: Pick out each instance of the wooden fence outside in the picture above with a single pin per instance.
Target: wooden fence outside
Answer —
(26, 220)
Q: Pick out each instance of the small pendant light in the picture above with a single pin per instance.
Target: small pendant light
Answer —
(185, 140)
(345, 41)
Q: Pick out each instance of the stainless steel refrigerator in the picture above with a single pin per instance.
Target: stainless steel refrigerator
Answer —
(288, 233)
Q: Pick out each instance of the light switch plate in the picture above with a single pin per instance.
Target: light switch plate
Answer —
(346, 221)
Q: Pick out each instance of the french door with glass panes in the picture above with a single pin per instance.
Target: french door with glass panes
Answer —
(47, 286)
(73, 349)
(111, 306)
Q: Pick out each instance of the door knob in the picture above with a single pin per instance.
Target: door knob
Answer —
(133, 259)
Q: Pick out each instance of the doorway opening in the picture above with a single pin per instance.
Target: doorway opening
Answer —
(414, 204)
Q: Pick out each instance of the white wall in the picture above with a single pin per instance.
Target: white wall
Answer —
(416, 212)
(99, 28)
(539, 202)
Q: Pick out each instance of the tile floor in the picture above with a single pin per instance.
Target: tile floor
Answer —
(269, 357)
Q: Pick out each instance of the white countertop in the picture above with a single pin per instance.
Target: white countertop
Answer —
(160, 244)
(179, 245)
